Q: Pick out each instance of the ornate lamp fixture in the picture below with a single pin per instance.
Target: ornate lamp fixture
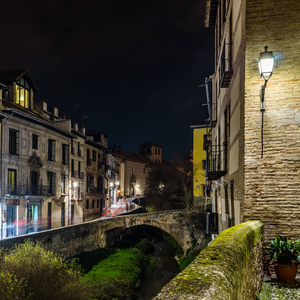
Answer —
(265, 65)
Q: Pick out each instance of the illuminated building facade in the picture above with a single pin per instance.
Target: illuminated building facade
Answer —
(254, 161)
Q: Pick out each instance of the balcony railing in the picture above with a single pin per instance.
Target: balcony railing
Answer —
(216, 162)
(30, 189)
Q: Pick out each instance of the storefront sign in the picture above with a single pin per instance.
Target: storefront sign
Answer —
(12, 201)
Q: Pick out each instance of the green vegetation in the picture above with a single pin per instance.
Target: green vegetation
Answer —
(184, 261)
(271, 291)
(169, 239)
(87, 260)
(118, 275)
(28, 271)
(284, 251)
(169, 186)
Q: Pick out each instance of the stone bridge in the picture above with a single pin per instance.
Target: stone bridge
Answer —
(72, 240)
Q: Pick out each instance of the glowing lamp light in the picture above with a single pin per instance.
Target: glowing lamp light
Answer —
(111, 184)
(75, 184)
(266, 64)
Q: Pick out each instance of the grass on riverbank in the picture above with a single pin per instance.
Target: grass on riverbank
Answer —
(118, 275)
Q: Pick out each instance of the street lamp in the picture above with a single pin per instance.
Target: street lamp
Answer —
(265, 65)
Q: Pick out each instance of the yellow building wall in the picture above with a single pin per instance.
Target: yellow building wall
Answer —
(199, 155)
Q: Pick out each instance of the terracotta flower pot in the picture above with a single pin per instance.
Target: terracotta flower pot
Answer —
(286, 273)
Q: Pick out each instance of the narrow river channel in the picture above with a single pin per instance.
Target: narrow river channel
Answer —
(166, 269)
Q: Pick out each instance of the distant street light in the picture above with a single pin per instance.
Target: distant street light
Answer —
(265, 65)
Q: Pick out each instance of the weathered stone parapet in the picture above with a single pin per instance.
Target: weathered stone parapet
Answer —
(231, 267)
(75, 239)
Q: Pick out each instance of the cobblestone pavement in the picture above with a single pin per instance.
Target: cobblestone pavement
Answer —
(274, 290)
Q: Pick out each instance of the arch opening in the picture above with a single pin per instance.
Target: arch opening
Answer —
(129, 237)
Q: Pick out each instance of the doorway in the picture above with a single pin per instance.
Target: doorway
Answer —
(33, 218)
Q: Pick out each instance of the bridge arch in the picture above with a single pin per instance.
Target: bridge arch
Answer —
(144, 231)
(76, 239)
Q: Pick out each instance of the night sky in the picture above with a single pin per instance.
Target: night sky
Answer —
(132, 66)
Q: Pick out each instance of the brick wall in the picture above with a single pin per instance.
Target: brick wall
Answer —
(272, 183)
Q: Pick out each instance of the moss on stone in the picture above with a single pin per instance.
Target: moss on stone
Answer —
(220, 268)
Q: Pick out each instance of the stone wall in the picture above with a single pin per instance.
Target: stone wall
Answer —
(231, 267)
(76, 239)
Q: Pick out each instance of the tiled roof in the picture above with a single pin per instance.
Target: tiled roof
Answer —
(129, 155)
(149, 144)
(8, 77)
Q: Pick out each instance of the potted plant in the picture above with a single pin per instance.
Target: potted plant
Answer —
(286, 255)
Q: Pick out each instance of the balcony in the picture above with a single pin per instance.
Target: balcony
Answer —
(30, 189)
(216, 162)
(226, 79)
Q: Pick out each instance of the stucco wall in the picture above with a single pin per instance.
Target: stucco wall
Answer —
(231, 267)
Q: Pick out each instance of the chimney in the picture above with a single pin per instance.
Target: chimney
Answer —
(76, 126)
(82, 130)
(44, 106)
(55, 111)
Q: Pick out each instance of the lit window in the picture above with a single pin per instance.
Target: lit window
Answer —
(22, 93)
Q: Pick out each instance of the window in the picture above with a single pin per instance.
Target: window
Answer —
(14, 144)
(98, 203)
(88, 157)
(65, 154)
(90, 184)
(203, 164)
(35, 141)
(158, 151)
(12, 181)
(155, 150)
(79, 169)
(5, 95)
(87, 204)
(51, 183)
(78, 149)
(94, 155)
(22, 93)
(72, 147)
(72, 168)
(100, 185)
(51, 150)
(63, 184)
(93, 203)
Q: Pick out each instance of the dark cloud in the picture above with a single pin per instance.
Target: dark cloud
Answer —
(135, 66)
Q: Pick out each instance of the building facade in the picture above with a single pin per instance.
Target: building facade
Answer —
(133, 172)
(201, 192)
(152, 151)
(34, 176)
(96, 186)
(112, 175)
(254, 154)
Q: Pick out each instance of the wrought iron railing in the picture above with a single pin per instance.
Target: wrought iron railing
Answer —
(216, 161)
(30, 189)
